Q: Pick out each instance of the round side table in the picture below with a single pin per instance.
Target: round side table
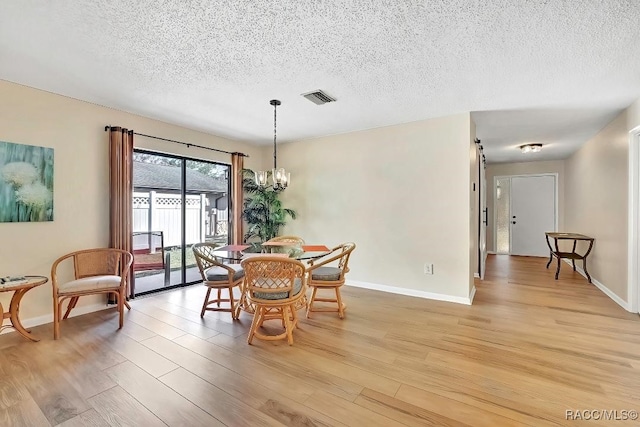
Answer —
(14, 307)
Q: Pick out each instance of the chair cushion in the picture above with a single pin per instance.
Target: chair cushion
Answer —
(95, 283)
(220, 274)
(326, 274)
(297, 286)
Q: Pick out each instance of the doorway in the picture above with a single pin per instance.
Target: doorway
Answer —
(483, 215)
(633, 291)
(526, 207)
(180, 202)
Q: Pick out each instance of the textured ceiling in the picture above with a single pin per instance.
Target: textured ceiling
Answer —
(537, 71)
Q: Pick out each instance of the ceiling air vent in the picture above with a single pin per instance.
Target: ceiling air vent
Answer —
(318, 97)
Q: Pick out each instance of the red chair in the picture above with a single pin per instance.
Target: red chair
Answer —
(148, 253)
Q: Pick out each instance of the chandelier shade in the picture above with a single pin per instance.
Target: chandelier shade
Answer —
(261, 178)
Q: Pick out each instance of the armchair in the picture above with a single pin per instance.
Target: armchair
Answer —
(217, 275)
(274, 285)
(323, 276)
(96, 271)
(287, 239)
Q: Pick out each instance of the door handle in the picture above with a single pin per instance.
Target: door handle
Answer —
(486, 216)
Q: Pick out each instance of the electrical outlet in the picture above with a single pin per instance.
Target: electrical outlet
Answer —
(428, 268)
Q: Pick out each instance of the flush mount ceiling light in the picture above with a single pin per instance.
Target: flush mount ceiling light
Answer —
(531, 148)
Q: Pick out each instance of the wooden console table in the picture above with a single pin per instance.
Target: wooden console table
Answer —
(573, 255)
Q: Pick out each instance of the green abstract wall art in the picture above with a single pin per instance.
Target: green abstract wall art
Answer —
(26, 183)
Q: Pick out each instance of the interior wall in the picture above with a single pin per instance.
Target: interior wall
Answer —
(597, 199)
(633, 115)
(401, 193)
(633, 122)
(75, 130)
(523, 168)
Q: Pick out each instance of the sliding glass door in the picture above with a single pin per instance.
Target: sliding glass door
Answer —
(177, 202)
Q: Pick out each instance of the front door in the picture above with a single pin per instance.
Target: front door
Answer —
(533, 212)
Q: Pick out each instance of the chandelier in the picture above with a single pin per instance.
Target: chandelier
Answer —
(280, 177)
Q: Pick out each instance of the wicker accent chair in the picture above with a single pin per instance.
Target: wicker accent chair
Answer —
(219, 276)
(287, 239)
(323, 276)
(274, 285)
(96, 271)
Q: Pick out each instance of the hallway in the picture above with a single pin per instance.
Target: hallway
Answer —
(524, 281)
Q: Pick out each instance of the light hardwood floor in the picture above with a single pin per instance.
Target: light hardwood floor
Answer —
(528, 349)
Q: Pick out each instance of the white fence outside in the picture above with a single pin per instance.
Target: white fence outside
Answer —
(154, 211)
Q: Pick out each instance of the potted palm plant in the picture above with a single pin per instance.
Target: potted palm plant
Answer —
(262, 210)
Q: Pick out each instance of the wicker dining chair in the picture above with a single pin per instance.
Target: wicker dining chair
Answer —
(321, 275)
(274, 285)
(287, 239)
(96, 271)
(219, 276)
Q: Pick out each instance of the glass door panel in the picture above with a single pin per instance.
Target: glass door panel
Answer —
(206, 208)
(502, 218)
(157, 221)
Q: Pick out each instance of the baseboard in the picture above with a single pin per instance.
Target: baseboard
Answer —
(48, 318)
(472, 294)
(608, 292)
(411, 292)
(476, 275)
(491, 252)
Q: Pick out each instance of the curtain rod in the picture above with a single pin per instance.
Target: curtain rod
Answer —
(188, 144)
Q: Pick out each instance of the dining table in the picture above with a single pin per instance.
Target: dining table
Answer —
(237, 253)
(291, 250)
